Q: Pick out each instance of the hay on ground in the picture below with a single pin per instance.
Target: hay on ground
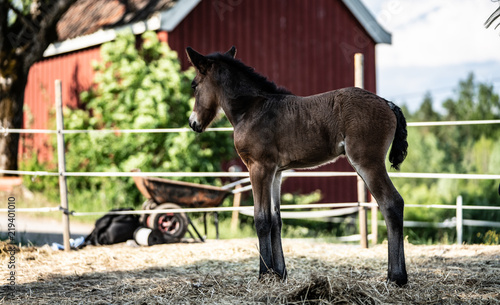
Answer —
(225, 272)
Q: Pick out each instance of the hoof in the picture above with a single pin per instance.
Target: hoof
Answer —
(399, 281)
(269, 276)
(272, 275)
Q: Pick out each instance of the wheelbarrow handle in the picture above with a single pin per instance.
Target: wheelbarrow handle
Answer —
(233, 184)
(242, 189)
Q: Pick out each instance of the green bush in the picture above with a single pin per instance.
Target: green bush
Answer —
(490, 238)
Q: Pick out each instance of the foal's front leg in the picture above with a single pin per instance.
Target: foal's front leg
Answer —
(278, 257)
(262, 180)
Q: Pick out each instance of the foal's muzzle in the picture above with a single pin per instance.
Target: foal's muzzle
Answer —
(195, 126)
(193, 122)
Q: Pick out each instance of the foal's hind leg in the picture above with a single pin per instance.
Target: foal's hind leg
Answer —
(391, 205)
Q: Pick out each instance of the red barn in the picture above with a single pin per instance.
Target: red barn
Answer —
(305, 46)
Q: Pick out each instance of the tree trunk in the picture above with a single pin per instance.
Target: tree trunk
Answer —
(11, 116)
(22, 42)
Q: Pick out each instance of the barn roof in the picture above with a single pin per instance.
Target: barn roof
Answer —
(89, 22)
(88, 16)
(374, 29)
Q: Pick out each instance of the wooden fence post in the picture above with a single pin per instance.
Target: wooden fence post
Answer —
(374, 221)
(63, 189)
(459, 220)
(359, 66)
(363, 225)
(236, 203)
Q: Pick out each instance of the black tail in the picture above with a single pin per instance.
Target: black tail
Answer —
(399, 145)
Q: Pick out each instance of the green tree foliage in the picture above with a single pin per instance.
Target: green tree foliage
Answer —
(426, 111)
(471, 149)
(475, 101)
(137, 88)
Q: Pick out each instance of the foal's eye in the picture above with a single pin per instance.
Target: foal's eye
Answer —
(193, 86)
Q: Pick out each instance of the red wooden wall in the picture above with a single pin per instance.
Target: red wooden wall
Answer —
(76, 73)
(306, 48)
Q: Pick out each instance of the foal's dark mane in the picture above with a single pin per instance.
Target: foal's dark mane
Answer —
(260, 81)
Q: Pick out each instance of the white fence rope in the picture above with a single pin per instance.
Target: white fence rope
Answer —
(245, 174)
(194, 210)
(4, 130)
(33, 210)
(452, 207)
(448, 223)
(445, 176)
(341, 209)
(449, 123)
(245, 208)
(32, 173)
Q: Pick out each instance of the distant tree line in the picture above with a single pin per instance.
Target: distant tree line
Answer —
(471, 149)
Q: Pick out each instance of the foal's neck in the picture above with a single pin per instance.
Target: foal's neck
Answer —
(246, 91)
(235, 108)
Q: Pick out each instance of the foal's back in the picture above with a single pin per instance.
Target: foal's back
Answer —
(312, 130)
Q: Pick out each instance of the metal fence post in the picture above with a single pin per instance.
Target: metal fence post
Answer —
(459, 220)
(63, 189)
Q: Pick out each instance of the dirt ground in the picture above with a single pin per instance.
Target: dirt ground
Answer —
(225, 272)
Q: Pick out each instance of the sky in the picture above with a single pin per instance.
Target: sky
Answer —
(435, 44)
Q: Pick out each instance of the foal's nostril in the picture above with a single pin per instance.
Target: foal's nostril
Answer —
(194, 126)
(193, 118)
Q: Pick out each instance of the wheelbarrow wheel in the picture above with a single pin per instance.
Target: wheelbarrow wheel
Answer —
(149, 205)
(173, 226)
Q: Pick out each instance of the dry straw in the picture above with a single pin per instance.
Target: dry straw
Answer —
(225, 272)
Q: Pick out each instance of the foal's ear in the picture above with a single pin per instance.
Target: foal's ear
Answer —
(231, 52)
(199, 61)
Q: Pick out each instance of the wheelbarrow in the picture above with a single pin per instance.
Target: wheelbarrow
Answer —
(170, 194)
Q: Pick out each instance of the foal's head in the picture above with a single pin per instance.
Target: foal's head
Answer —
(206, 90)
